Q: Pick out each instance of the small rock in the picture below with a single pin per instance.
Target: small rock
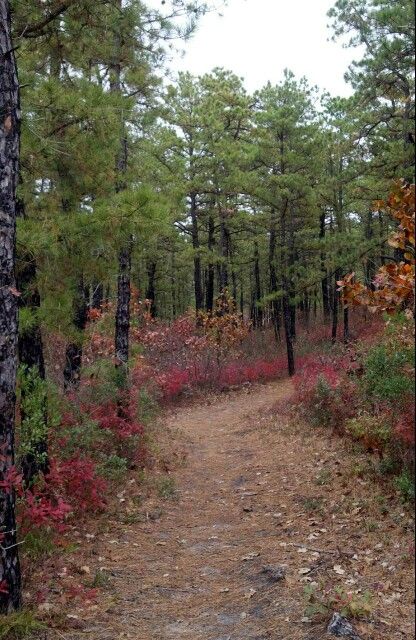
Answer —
(341, 628)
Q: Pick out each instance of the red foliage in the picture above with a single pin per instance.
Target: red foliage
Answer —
(77, 481)
(119, 419)
(40, 510)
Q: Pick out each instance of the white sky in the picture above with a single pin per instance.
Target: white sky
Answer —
(258, 39)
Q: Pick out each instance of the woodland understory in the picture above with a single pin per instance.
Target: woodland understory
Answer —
(166, 246)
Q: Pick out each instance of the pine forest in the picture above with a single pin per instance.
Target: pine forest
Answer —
(206, 327)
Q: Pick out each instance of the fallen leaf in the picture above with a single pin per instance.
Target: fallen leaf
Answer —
(339, 570)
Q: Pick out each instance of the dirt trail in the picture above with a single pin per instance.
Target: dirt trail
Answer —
(245, 497)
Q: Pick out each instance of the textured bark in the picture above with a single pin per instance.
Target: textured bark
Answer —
(224, 240)
(122, 329)
(287, 320)
(257, 311)
(335, 306)
(9, 172)
(324, 281)
(123, 306)
(370, 266)
(346, 325)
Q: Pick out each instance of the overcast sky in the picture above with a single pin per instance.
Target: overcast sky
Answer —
(258, 39)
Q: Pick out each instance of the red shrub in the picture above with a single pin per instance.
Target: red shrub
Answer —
(40, 510)
(77, 481)
(117, 418)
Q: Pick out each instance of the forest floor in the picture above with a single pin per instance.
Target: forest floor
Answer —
(243, 488)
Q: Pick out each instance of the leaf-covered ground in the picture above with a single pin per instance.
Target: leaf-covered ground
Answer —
(258, 530)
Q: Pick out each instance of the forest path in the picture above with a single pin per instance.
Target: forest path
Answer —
(246, 498)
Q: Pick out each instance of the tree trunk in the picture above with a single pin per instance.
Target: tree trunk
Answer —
(288, 334)
(324, 281)
(121, 339)
(335, 306)
(223, 283)
(209, 303)
(258, 312)
(293, 320)
(122, 329)
(173, 284)
(346, 325)
(287, 319)
(199, 299)
(10, 578)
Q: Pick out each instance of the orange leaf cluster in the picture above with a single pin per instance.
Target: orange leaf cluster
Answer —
(394, 284)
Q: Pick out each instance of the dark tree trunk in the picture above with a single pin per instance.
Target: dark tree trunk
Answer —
(275, 305)
(10, 579)
(209, 304)
(30, 347)
(287, 319)
(73, 354)
(172, 285)
(223, 280)
(121, 339)
(346, 325)
(288, 334)
(151, 290)
(234, 281)
(335, 306)
(122, 329)
(306, 309)
(241, 295)
(258, 312)
(293, 320)
(199, 298)
(370, 266)
(324, 282)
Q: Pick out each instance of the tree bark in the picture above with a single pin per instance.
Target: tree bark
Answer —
(324, 281)
(223, 283)
(346, 325)
(257, 310)
(335, 306)
(121, 340)
(10, 577)
(122, 328)
(287, 320)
